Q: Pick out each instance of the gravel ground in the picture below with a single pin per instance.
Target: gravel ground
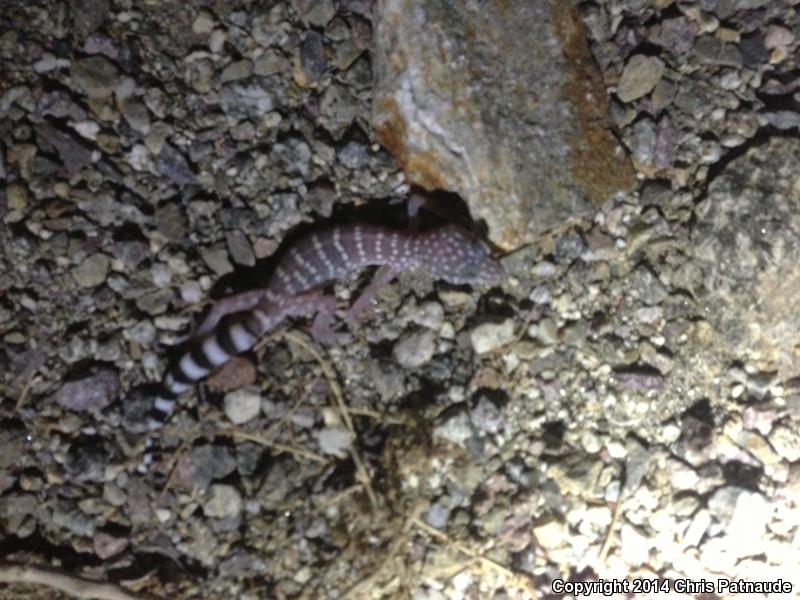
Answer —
(624, 406)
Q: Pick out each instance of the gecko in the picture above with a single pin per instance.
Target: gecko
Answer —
(236, 323)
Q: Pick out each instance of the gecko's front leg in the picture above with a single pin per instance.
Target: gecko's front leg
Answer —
(363, 303)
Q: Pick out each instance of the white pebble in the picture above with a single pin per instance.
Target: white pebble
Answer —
(429, 315)
(191, 292)
(335, 441)
(416, 349)
(490, 336)
(243, 405)
(224, 501)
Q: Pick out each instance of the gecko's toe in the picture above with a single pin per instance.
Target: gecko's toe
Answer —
(323, 333)
(358, 313)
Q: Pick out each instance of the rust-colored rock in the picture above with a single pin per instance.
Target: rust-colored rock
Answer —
(501, 104)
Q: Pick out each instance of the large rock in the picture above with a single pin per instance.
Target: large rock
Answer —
(747, 248)
(500, 102)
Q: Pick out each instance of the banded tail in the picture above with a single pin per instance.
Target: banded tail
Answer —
(235, 333)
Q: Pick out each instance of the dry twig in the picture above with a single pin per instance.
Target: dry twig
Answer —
(74, 586)
(23, 395)
(336, 390)
(400, 540)
(522, 581)
(240, 434)
(258, 439)
(365, 584)
(603, 555)
(336, 498)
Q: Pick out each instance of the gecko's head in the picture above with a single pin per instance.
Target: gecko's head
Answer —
(457, 256)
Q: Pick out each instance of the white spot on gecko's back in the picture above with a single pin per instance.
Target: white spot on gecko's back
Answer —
(377, 246)
(344, 258)
(285, 280)
(308, 265)
(300, 278)
(319, 248)
(358, 236)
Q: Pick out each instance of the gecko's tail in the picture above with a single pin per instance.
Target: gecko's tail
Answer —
(163, 404)
(234, 334)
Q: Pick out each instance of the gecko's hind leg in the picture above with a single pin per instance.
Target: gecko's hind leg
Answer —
(323, 306)
(225, 306)
(322, 327)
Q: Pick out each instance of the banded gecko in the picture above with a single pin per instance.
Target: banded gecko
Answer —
(236, 323)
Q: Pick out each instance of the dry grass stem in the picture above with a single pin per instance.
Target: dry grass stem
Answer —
(73, 586)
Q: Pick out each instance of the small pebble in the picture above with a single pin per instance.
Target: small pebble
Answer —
(551, 534)
(240, 249)
(455, 429)
(639, 77)
(223, 502)
(437, 515)
(94, 392)
(429, 315)
(192, 292)
(415, 349)
(334, 441)
(106, 546)
(92, 271)
(238, 70)
(16, 197)
(778, 36)
(217, 260)
(786, 441)
(487, 416)
(491, 336)
(203, 23)
(243, 405)
(95, 76)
